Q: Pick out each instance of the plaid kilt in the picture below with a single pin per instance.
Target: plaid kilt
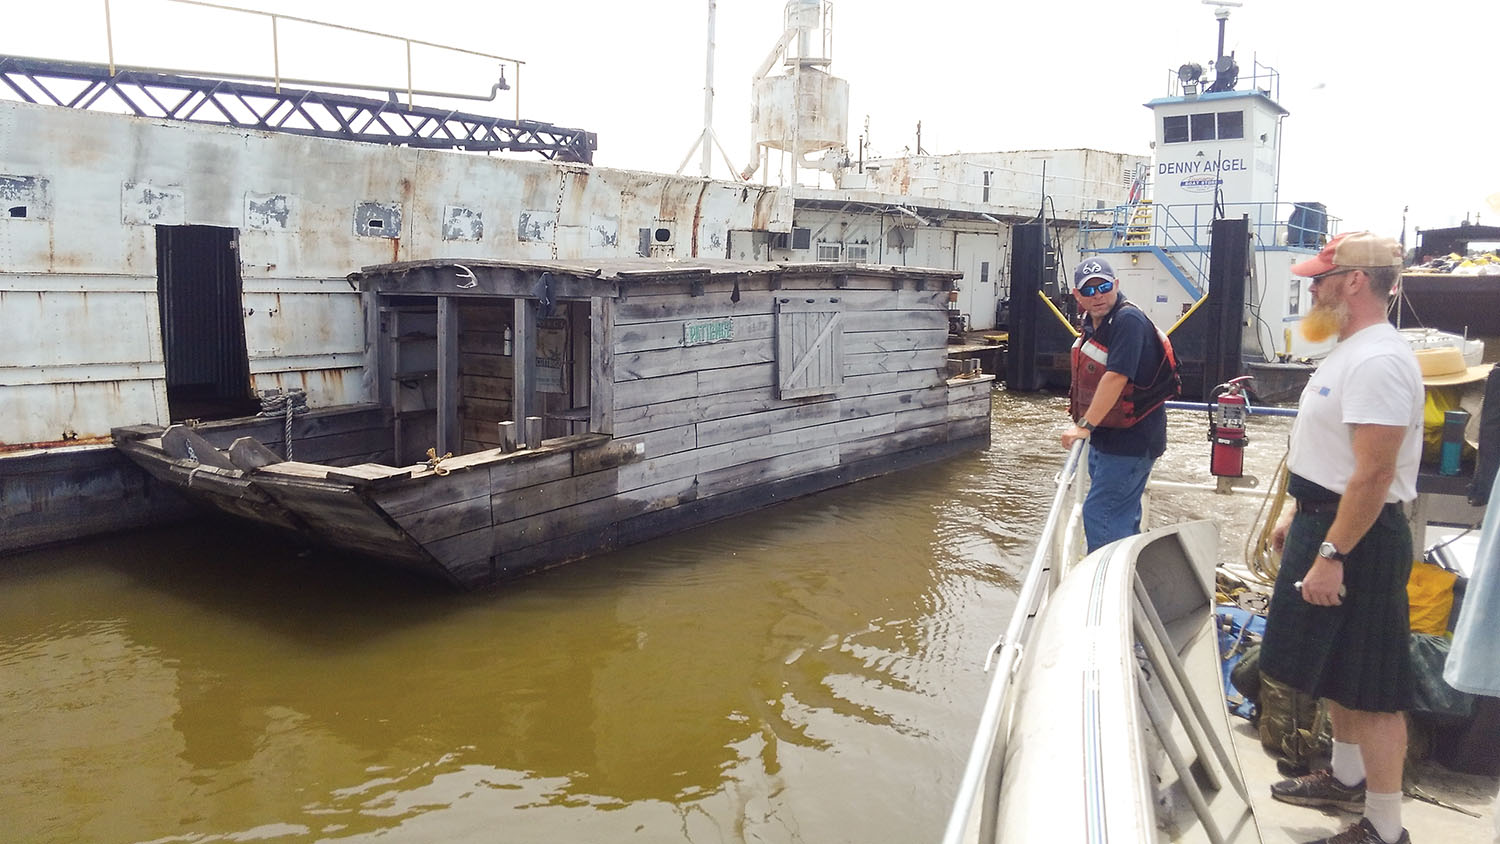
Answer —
(1356, 654)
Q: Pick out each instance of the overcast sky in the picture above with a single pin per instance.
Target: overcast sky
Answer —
(1388, 109)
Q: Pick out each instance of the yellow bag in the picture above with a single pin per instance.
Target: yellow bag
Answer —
(1430, 593)
(1439, 400)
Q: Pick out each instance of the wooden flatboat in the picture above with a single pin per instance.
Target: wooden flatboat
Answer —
(526, 414)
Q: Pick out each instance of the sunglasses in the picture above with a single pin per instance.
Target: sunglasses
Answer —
(1096, 289)
(1331, 274)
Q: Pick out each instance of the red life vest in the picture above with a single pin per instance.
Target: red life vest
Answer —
(1136, 402)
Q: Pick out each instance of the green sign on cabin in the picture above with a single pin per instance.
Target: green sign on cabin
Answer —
(707, 331)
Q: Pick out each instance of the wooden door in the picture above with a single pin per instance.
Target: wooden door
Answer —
(809, 345)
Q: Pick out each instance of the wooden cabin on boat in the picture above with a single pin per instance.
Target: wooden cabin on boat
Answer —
(532, 413)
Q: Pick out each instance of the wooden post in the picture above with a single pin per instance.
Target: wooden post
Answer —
(507, 436)
(601, 365)
(448, 437)
(523, 360)
(533, 431)
(580, 391)
(373, 382)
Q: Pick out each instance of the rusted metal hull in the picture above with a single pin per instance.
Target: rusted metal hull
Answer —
(1463, 304)
(82, 348)
(57, 495)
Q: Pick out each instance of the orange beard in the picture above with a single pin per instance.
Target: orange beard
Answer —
(1323, 321)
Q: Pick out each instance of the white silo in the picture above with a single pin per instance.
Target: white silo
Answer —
(804, 109)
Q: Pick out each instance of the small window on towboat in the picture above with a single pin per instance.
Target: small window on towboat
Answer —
(1203, 127)
(1174, 130)
(1231, 124)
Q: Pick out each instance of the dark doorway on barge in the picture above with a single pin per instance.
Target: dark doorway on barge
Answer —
(202, 327)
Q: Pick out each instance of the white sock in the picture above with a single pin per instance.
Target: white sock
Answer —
(1383, 811)
(1348, 763)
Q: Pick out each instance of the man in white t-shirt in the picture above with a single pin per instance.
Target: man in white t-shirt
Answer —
(1338, 626)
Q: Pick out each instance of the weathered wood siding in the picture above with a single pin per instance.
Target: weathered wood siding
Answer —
(710, 416)
(715, 434)
(336, 437)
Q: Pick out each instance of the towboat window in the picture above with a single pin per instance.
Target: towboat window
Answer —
(1205, 126)
(828, 251)
(1174, 130)
(1202, 126)
(1231, 124)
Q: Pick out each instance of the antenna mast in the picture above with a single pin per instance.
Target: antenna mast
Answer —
(707, 139)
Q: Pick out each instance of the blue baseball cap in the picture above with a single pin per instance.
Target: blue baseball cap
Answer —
(1093, 268)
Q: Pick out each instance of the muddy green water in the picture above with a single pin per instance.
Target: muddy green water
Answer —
(808, 673)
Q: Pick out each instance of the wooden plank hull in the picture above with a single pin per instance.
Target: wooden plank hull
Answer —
(486, 517)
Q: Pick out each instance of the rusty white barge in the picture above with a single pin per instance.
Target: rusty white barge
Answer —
(581, 406)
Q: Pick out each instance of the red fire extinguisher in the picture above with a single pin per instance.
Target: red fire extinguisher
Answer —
(1226, 429)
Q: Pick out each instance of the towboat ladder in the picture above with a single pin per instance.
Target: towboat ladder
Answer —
(1142, 218)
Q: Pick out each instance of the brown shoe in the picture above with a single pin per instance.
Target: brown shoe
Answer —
(1361, 833)
(1320, 789)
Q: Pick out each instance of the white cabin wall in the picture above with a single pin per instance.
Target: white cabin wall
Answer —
(899, 240)
(1078, 181)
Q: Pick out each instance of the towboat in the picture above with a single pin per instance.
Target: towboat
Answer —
(1205, 244)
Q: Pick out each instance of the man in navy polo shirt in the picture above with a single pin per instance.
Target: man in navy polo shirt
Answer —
(1123, 373)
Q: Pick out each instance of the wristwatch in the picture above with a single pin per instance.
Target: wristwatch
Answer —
(1331, 551)
(1085, 424)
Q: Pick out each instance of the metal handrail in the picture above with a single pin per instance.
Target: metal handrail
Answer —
(276, 77)
(1263, 79)
(1054, 547)
(1182, 229)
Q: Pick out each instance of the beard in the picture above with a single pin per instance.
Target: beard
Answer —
(1324, 321)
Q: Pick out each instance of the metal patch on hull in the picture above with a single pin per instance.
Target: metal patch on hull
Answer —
(271, 212)
(25, 198)
(460, 223)
(378, 219)
(536, 226)
(604, 232)
(143, 204)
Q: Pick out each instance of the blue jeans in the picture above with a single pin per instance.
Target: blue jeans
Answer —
(1112, 508)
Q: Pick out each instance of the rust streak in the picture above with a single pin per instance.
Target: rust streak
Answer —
(698, 216)
(9, 448)
(761, 216)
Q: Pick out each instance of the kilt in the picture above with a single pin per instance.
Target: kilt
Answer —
(1358, 653)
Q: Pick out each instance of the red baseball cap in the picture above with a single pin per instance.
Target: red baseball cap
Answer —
(1353, 249)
